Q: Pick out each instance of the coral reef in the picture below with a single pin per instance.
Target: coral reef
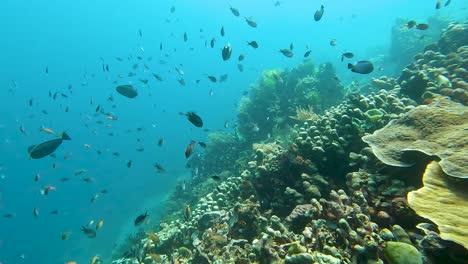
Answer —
(277, 95)
(438, 129)
(441, 69)
(444, 201)
(317, 193)
(407, 42)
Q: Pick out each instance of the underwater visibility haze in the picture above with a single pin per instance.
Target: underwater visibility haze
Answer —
(182, 131)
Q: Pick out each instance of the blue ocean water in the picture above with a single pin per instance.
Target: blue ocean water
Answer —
(73, 39)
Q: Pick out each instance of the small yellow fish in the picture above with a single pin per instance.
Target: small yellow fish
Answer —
(47, 130)
(99, 224)
(187, 212)
(153, 237)
(94, 260)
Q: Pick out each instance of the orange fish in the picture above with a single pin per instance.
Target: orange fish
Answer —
(71, 262)
(189, 149)
(153, 237)
(47, 130)
(99, 224)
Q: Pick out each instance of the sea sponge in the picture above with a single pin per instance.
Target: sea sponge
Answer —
(444, 201)
(438, 130)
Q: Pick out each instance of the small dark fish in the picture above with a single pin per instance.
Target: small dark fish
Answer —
(37, 177)
(65, 235)
(287, 53)
(89, 232)
(277, 3)
(36, 212)
(222, 31)
(139, 33)
(159, 168)
(46, 148)
(129, 164)
(438, 4)
(362, 67)
(181, 81)
(54, 212)
(47, 69)
(107, 67)
(307, 53)
(212, 78)
(226, 124)
(202, 144)
(227, 51)
(212, 43)
(241, 57)
(127, 91)
(333, 42)
(291, 46)
(223, 78)
(253, 44)
(234, 11)
(240, 67)
(216, 177)
(319, 13)
(347, 55)
(160, 142)
(158, 77)
(98, 108)
(410, 24)
(189, 149)
(140, 219)
(422, 26)
(30, 102)
(117, 154)
(251, 22)
(160, 46)
(194, 119)
(185, 37)
(9, 215)
(172, 9)
(64, 179)
(448, 2)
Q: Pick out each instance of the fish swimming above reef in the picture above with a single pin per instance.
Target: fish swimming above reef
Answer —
(227, 51)
(362, 67)
(139, 220)
(251, 22)
(127, 90)
(89, 232)
(193, 118)
(234, 11)
(347, 55)
(287, 53)
(422, 26)
(187, 212)
(189, 149)
(319, 13)
(252, 44)
(46, 148)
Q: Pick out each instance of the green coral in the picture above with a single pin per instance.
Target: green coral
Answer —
(401, 253)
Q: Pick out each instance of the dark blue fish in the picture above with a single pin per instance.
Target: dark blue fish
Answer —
(318, 14)
(362, 67)
(46, 148)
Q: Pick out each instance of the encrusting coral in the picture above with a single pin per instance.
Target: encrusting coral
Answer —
(444, 201)
(438, 129)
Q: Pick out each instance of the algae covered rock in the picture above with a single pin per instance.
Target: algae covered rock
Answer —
(444, 201)
(401, 253)
(435, 130)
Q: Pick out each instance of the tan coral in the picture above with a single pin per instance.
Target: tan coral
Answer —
(444, 201)
(440, 129)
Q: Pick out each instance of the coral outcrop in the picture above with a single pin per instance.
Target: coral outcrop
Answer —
(438, 129)
(444, 201)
